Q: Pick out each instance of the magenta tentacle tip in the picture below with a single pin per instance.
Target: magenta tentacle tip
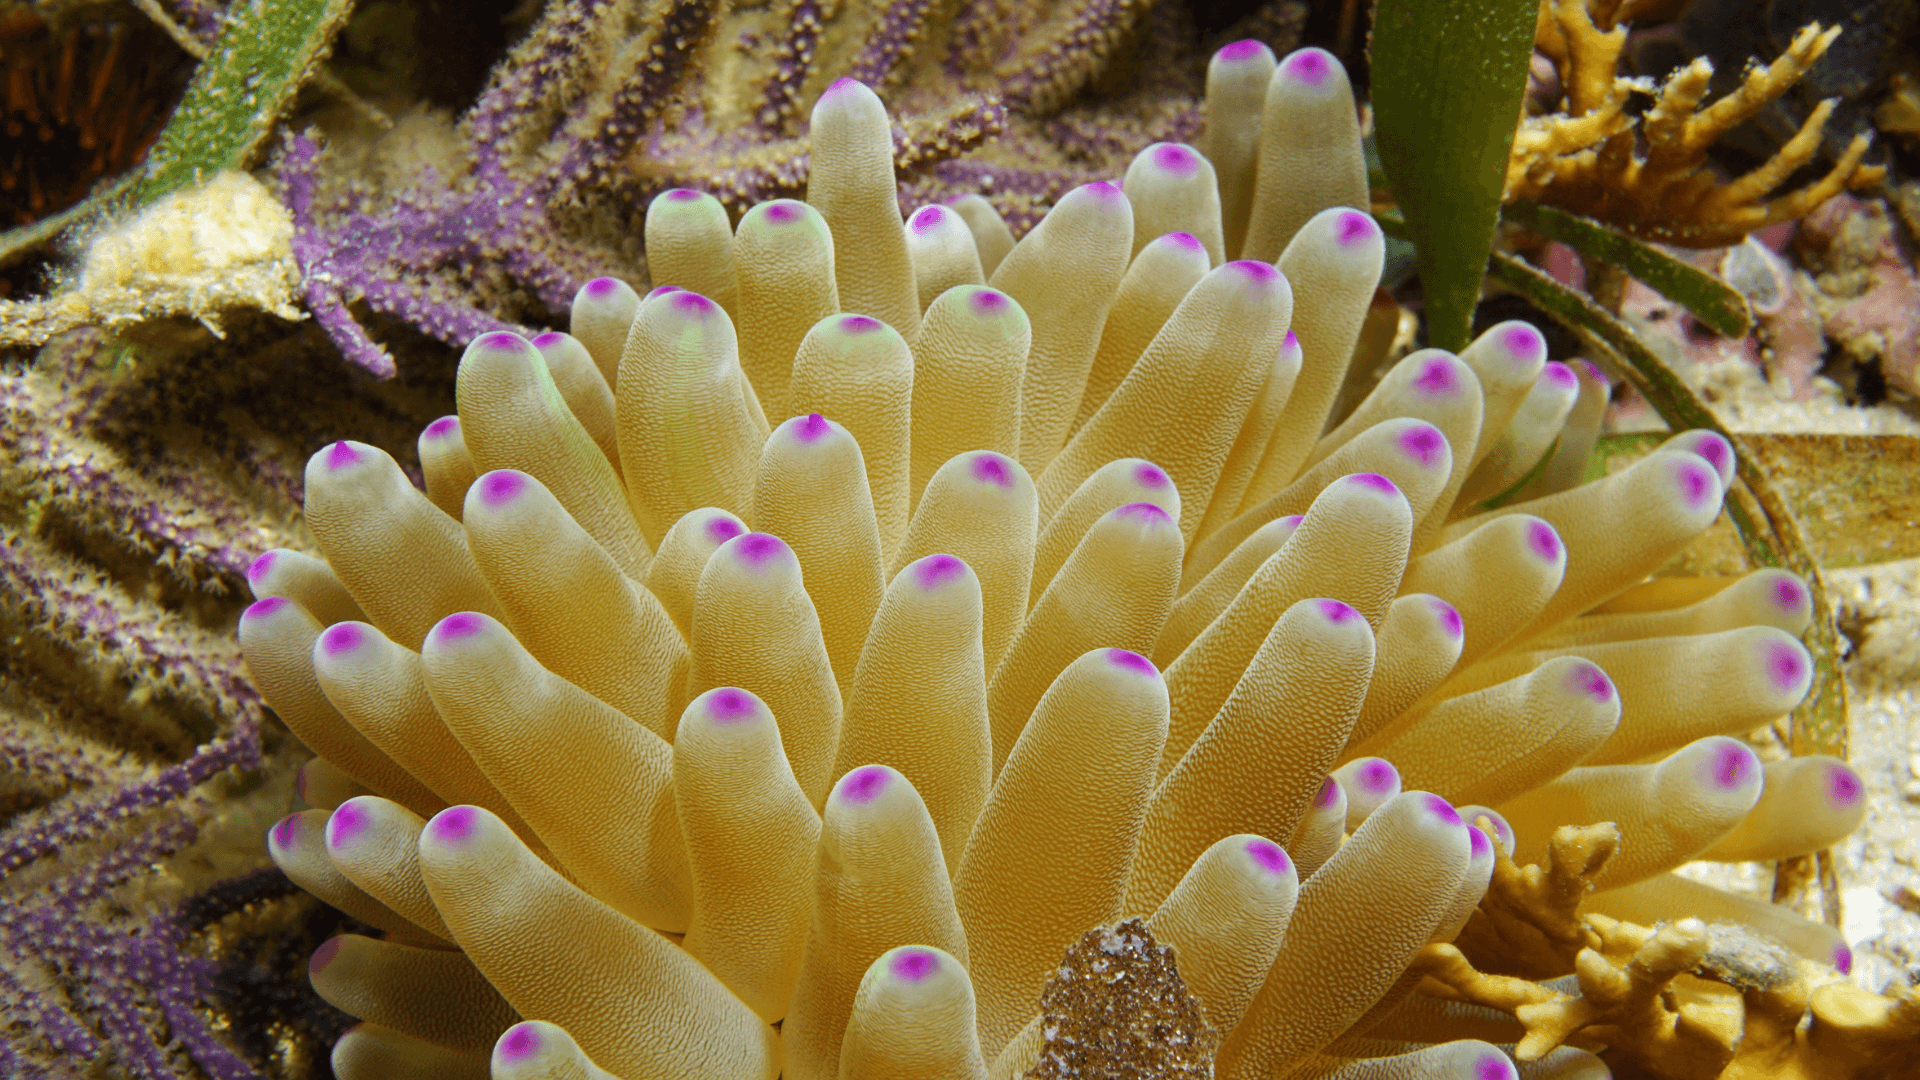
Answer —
(1255, 270)
(928, 218)
(1375, 481)
(341, 638)
(1479, 848)
(1732, 765)
(985, 301)
(286, 832)
(1524, 343)
(722, 529)
(1355, 227)
(501, 340)
(1290, 343)
(1328, 795)
(663, 290)
(1442, 809)
(1712, 447)
(458, 625)
(811, 428)
(693, 304)
(346, 824)
(261, 609)
(1423, 443)
(1495, 1066)
(1591, 680)
(1592, 371)
(859, 324)
(758, 548)
(864, 784)
(1292, 521)
(841, 86)
(992, 468)
(324, 955)
(1310, 66)
(1788, 593)
(1269, 856)
(1149, 475)
(1184, 240)
(1543, 541)
(1437, 376)
(1448, 615)
(261, 566)
(501, 486)
(729, 705)
(1376, 775)
(1560, 375)
(937, 570)
(1843, 959)
(1334, 611)
(913, 965)
(783, 211)
(443, 427)
(602, 287)
(1106, 191)
(1241, 51)
(548, 340)
(1144, 512)
(1175, 158)
(521, 1042)
(454, 825)
(1132, 661)
(343, 455)
(681, 194)
(1843, 784)
(1788, 664)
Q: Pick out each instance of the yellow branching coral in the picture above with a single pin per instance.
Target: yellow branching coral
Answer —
(773, 663)
(1650, 176)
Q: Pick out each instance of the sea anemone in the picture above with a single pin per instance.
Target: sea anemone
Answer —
(797, 645)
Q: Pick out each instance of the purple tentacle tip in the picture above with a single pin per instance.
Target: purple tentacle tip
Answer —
(1238, 51)
(1176, 158)
(1375, 481)
(1184, 239)
(341, 638)
(913, 965)
(729, 705)
(928, 218)
(347, 823)
(286, 832)
(1328, 794)
(1697, 483)
(324, 955)
(458, 625)
(521, 1042)
(443, 427)
(693, 304)
(1591, 680)
(985, 301)
(1843, 959)
(1355, 227)
(936, 570)
(1290, 343)
(859, 324)
(1255, 270)
(1310, 66)
(1144, 512)
(864, 784)
(1592, 371)
(663, 290)
(261, 566)
(1495, 1066)
(1449, 617)
(548, 340)
(454, 824)
(342, 455)
(1132, 661)
(1149, 475)
(1105, 190)
(503, 340)
(681, 194)
(1843, 785)
(501, 486)
(758, 548)
(1443, 810)
(1270, 856)
(1787, 592)
(810, 428)
(992, 468)
(1543, 540)
(1560, 375)
(722, 529)
(1336, 612)
(1292, 521)
(1733, 765)
(1437, 376)
(1787, 662)
(1376, 775)
(1423, 443)
(602, 287)
(783, 211)
(261, 609)
(1478, 846)
(1523, 343)
(841, 86)
(1714, 447)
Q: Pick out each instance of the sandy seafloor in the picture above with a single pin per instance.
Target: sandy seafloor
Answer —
(1879, 866)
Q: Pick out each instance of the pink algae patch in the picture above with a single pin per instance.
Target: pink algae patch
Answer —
(1377, 775)
(758, 548)
(1495, 1066)
(729, 705)
(458, 625)
(1443, 810)
(1843, 785)
(913, 965)
(1328, 794)
(784, 211)
(521, 1041)
(501, 486)
(1437, 376)
(722, 529)
(1176, 158)
(682, 195)
(347, 823)
(324, 955)
(1590, 680)
(986, 301)
(1237, 51)
(454, 825)
(991, 468)
(1336, 612)
(341, 638)
(810, 428)
(863, 785)
(260, 609)
(1144, 512)
(1184, 239)
(1543, 540)
(936, 570)
(1523, 343)
(286, 832)
(261, 566)
(602, 287)
(1787, 664)
(1269, 856)
(1310, 66)
(928, 218)
(1787, 593)
(859, 324)
(1424, 444)
(1449, 617)
(1355, 227)
(342, 455)
(1560, 375)
(1375, 481)
(1149, 475)
(1732, 765)
(443, 427)
(1132, 661)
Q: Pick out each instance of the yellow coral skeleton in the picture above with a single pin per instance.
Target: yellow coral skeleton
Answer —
(691, 698)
